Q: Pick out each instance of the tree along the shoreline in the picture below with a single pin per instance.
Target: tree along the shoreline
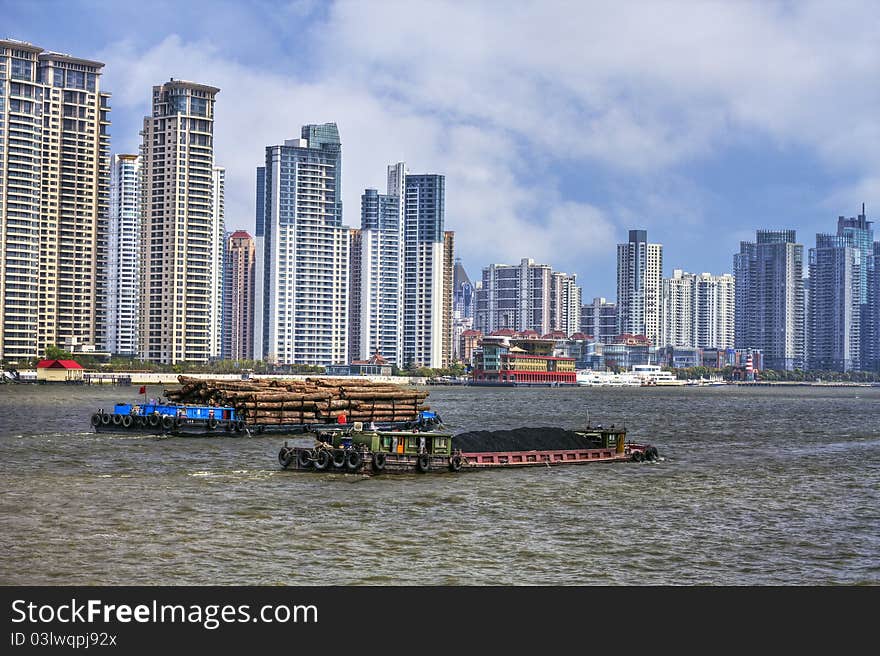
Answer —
(797, 375)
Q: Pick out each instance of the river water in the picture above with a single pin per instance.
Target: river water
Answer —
(762, 486)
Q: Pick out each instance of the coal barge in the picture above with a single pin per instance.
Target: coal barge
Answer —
(372, 452)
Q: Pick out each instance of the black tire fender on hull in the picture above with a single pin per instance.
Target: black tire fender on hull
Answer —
(322, 460)
(423, 463)
(353, 460)
(379, 461)
(304, 459)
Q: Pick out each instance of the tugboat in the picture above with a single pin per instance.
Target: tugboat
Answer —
(374, 452)
(168, 419)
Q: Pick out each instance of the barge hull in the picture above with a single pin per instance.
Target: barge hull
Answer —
(303, 459)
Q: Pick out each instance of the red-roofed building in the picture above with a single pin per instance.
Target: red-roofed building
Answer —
(59, 371)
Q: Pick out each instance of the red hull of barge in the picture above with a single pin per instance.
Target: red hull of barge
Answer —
(393, 463)
(496, 459)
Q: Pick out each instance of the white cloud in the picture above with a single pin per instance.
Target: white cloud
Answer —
(499, 96)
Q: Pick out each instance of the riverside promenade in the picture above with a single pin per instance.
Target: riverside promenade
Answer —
(150, 378)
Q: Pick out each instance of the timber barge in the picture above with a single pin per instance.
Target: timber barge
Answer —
(375, 452)
(217, 407)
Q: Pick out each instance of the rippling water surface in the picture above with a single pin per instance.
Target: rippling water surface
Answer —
(757, 487)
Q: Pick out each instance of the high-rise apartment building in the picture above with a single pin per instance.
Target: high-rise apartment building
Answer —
(515, 297)
(871, 325)
(425, 252)
(238, 296)
(180, 226)
(403, 273)
(835, 304)
(123, 255)
(54, 172)
(527, 296)
(714, 305)
(376, 312)
(770, 298)
(858, 233)
(565, 303)
(599, 320)
(303, 290)
(218, 249)
(447, 346)
(698, 310)
(677, 324)
(639, 286)
(261, 300)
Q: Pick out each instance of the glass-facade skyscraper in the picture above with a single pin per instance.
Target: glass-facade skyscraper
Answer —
(834, 304)
(302, 286)
(769, 303)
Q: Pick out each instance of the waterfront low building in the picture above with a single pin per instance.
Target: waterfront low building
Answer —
(505, 361)
(59, 371)
(375, 366)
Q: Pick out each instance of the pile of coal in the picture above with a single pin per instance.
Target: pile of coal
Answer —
(519, 439)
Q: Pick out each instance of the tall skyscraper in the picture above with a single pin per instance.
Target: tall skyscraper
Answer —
(462, 293)
(180, 225)
(463, 301)
(447, 347)
(55, 170)
(238, 296)
(835, 304)
(678, 310)
(305, 252)
(698, 310)
(599, 320)
(376, 312)
(123, 253)
(403, 274)
(871, 327)
(770, 298)
(218, 249)
(425, 248)
(714, 307)
(261, 292)
(639, 286)
(858, 233)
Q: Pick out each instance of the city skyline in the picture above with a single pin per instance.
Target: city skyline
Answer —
(731, 122)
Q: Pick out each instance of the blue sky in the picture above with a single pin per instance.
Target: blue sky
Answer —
(559, 125)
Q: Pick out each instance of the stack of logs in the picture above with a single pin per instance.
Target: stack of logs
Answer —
(309, 401)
